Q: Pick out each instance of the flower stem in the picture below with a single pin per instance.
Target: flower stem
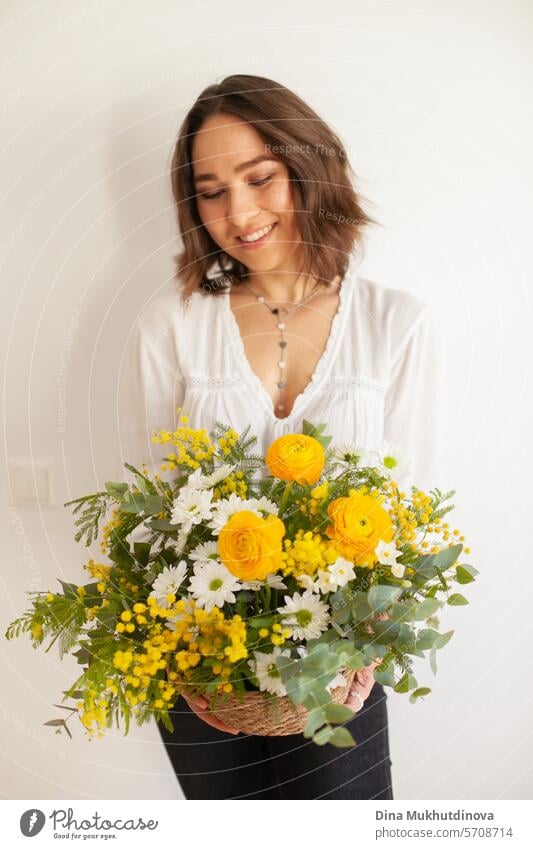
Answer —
(285, 496)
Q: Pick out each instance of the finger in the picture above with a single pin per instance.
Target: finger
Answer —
(353, 702)
(198, 701)
(209, 718)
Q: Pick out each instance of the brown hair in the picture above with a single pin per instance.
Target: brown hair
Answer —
(322, 179)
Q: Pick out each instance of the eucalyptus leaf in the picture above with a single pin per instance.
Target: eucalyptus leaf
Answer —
(442, 639)
(341, 738)
(426, 638)
(404, 610)
(407, 682)
(382, 596)
(386, 632)
(465, 573)
(445, 558)
(316, 717)
(116, 488)
(324, 735)
(457, 599)
(385, 677)
(419, 693)
(338, 713)
(427, 607)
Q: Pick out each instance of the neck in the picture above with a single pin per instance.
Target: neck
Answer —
(288, 290)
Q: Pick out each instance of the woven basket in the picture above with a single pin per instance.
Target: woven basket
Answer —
(254, 715)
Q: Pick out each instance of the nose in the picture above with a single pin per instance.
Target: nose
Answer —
(241, 208)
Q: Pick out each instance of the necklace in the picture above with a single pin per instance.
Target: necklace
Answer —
(280, 313)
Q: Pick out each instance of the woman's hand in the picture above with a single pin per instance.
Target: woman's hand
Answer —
(199, 704)
(362, 684)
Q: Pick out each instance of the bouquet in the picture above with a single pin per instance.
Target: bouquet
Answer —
(264, 593)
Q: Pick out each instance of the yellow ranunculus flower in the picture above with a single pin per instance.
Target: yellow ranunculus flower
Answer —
(359, 522)
(296, 457)
(249, 546)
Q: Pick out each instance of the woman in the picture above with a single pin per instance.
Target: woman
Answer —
(271, 325)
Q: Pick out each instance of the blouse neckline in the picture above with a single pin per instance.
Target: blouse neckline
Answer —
(325, 362)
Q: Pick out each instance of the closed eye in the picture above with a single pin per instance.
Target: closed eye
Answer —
(252, 183)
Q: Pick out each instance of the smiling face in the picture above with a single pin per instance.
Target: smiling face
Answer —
(239, 196)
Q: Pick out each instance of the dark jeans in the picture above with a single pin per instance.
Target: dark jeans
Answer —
(210, 764)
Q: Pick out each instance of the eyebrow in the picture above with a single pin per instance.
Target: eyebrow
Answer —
(210, 176)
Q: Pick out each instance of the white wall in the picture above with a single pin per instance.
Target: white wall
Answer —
(433, 102)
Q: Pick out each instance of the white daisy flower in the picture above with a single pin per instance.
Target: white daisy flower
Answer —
(226, 507)
(264, 504)
(200, 481)
(206, 552)
(392, 460)
(308, 615)
(191, 507)
(342, 571)
(263, 664)
(168, 581)
(212, 585)
(273, 581)
(349, 455)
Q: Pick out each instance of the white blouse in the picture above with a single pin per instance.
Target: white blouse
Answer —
(375, 380)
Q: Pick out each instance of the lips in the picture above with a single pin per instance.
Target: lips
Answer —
(257, 242)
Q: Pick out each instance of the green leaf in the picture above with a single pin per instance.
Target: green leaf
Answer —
(338, 713)
(427, 607)
(386, 632)
(324, 735)
(433, 660)
(142, 552)
(69, 590)
(162, 525)
(442, 639)
(54, 722)
(404, 611)
(349, 656)
(300, 687)
(116, 488)
(447, 556)
(315, 719)
(260, 621)
(385, 677)
(424, 567)
(426, 638)
(341, 738)
(329, 636)
(361, 609)
(419, 693)
(406, 683)
(457, 599)
(382, 596)
(465, 573)
(340, 603)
